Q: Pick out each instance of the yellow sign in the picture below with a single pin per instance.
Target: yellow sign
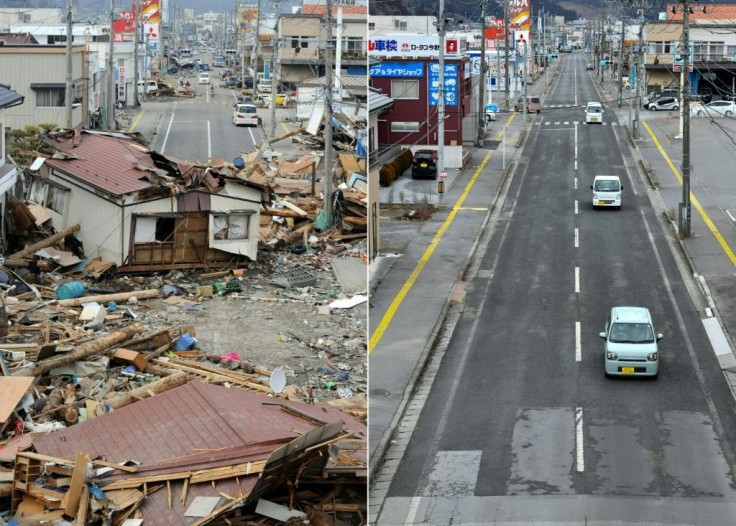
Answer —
(247, 19)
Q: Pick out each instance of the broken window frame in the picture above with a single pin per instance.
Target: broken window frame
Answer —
(229, 216)
(157, 228)
(39, 192)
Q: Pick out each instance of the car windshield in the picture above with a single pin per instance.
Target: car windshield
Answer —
(606, 185)
(631, 333)
(594, 109)
(246, 109)
(423, 156)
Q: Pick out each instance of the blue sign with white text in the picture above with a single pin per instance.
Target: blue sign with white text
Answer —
(450, 84)
(398, 69)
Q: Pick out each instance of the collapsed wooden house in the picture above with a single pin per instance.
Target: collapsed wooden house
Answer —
(142, 210)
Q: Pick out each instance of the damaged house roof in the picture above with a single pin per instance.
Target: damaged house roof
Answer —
(185, 424)
(106, 161)
(9, 97)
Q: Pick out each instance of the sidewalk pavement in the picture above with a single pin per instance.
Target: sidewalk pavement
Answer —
(408, 309)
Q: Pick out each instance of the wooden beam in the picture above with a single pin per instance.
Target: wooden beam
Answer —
(44, 243)
(104, 298)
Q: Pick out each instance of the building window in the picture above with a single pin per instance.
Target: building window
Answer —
(50, 98)
(57, 199)
(700, 50)
(715, 51)
(371, 26)
(405, 89)
(731, 51)
(355, 45)
(397, 126)
(299, 42)
(230, 226)
(661, 47)
(400, 25)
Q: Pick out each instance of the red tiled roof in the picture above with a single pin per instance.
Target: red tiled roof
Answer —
(714, 12)
(184, 421)
(321, 9)
(105, 162)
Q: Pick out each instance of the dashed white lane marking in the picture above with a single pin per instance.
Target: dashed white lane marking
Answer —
(576, 207)
(577, 280)
(577, 239)
(578, 343)
(580, 457)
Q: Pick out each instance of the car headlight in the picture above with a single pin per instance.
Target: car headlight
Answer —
(611, 356)
(652, 357)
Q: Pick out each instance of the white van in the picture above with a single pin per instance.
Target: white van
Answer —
(150, 85)
(607, 191)
(264, 86)
(594, 113)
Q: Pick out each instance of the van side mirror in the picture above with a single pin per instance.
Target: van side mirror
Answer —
(591, 187)
(602, 335)
(622, 187)
(660, 336)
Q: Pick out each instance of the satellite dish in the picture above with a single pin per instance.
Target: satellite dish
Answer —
(277, 382)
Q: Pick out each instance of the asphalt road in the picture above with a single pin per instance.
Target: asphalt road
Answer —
(201, 129)
(520, 425)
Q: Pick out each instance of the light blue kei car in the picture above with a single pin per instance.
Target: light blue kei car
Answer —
(630, 347)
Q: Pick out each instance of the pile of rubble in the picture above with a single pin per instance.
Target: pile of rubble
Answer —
(105, 418)
(223, 390)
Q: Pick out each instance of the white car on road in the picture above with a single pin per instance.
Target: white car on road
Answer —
(607, 191)
(245, 114)
(725, 108)
(204, 78)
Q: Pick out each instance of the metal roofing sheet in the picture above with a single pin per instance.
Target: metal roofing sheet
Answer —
(9, 97)
(105, 162)
(185, 421)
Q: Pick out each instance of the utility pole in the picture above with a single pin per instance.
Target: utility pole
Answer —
(685, 103)
(482, 87)
(338, 53)
(276, 67)
(69, 40)
(111, 91)
(441, 102)
(136, 73)
(506, 50)
(257, 45)
(329, 161)
(640, 73)
(241, 34)
(621, 63)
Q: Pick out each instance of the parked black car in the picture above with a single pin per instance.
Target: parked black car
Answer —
(425, 164)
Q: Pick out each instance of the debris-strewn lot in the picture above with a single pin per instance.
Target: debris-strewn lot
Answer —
(187, 382)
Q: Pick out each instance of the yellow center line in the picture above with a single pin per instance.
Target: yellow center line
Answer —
(135, 122)
(409, 283)
(711, 226)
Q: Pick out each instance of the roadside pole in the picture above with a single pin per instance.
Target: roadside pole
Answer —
(69, 99)
(441, 88)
